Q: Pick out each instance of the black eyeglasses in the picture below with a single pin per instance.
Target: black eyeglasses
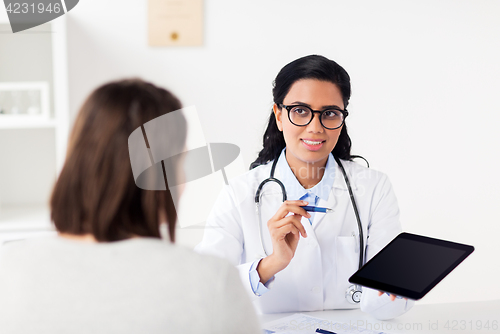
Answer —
(300, 115)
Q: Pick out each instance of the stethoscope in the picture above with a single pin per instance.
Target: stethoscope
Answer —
(353, 293)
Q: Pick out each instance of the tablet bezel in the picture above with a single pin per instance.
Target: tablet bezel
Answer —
(355, 279)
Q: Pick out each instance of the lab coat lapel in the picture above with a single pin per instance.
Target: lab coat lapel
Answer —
(319, 217)
(337, 200)
(311, 233)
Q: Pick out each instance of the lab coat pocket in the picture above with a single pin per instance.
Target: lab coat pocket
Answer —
(347, 258)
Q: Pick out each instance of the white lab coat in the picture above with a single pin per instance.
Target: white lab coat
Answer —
(317, 277)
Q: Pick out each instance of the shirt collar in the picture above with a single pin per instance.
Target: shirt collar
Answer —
(293, 187)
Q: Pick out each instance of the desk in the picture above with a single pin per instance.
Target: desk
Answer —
(469, 317)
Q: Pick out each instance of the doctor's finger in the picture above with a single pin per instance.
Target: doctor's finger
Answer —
(285, 211)
(283, 231)
(281, 227)
(392, 297)
(292, 207)
(290, 220)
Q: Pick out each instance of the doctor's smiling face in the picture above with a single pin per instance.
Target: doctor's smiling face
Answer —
(312, 143)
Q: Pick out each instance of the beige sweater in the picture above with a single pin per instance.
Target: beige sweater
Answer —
(53, 285)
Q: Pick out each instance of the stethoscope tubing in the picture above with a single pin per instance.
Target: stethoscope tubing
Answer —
(271, 178)
(356, 212)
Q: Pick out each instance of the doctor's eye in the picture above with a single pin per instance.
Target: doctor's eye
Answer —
(301, 111)
(331, 113)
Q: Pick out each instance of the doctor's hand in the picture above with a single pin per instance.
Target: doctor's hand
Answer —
(391, 296)
(285, 231)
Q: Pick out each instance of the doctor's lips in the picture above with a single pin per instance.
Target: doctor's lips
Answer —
(312, 144)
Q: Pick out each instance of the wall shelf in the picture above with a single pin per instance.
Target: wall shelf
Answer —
(33, 148)
(26, 123)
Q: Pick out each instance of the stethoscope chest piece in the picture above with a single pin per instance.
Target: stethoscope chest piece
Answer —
(353, 294)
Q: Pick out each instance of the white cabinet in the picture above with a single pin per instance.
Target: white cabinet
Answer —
(32, 151)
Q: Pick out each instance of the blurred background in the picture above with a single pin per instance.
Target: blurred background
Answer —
(424, 108)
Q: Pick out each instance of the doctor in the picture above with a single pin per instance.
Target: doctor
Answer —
(294, 260)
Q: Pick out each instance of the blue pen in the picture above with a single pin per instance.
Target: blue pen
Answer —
(317, 209)
(324, 331)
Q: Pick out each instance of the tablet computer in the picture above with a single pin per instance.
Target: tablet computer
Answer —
(411, 265)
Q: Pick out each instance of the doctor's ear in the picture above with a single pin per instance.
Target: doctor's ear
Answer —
(278, 114)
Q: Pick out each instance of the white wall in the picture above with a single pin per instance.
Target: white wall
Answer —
(423, 110)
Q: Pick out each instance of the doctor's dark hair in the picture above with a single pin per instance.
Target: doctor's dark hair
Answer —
(309, 67)
(96, 192)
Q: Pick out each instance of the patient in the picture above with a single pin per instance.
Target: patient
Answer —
(108, 271)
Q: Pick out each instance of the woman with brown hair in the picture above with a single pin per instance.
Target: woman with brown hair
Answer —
(107, 270)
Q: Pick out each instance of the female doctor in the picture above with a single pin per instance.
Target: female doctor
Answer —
(290, 259)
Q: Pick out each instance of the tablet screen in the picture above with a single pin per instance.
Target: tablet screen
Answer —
(411, 265)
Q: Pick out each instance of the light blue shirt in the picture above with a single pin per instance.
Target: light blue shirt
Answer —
(295, 191)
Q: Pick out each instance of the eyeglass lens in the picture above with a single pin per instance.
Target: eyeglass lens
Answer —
(302, 115)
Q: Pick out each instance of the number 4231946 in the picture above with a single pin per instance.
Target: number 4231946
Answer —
(471, 325)
(24, 8)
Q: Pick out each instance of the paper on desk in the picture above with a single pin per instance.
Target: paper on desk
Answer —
(304, 324)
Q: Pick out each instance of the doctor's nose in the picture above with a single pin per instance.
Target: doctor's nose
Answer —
(315, 125)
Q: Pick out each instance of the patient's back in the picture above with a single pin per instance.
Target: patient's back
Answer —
(141, 285)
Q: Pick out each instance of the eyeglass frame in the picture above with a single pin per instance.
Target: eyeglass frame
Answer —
(344, 112)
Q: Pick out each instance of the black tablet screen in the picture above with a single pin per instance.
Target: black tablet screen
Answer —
(415, 263)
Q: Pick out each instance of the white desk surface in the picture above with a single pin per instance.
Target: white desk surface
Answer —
(467, 317)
